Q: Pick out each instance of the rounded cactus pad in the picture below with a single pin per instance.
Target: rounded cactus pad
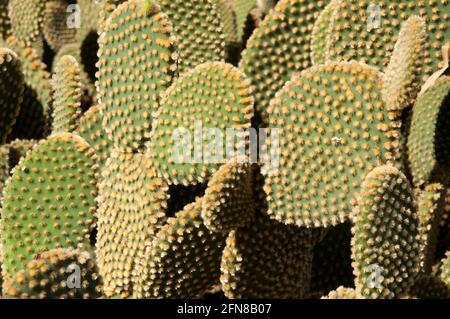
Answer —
(27, 17)
(402, 77)
(136, 63)
(429, 135)
(49, 201)
(132, 202)
(90, 128)
(368, 30)
(11, 91)
(34, 118)
(445, 273)
(192, 127)
(66, 83)
(56, 274)
(267, 259)
(199, 31)
(228, 202)
(333, 129)
(430, 204)
(55, 28)
(184, 257)
(385, 230)
(279, 47)
(343, 293)
(242, 9)
(320, 33)
(106, 8)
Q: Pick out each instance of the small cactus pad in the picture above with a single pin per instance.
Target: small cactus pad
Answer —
(368, 30)
(332, 260)
(242, 9)
(429, 135)
(228, 202)
(279, 47)
(429, 287)
(90, 128)
(385, 229)
(267, 259)
(56, 274)
(199, 31)
(49, 200)
(190, 135)
(320, 33)
(429, 211)
(402, 77)
(27, 17)
(445, 274)
(136, 63)
(333, 129)
(343, 293)
(11, 91)
(34, 117)
(66, 83)
(184, 257)
(132, 202)
(55, 27)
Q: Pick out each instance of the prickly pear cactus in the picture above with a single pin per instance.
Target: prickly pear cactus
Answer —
(134, 67)
(386, 228)
(55, 28)
(49, 201)
(49, 276)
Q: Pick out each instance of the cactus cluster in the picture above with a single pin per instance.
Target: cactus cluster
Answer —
(225, 149)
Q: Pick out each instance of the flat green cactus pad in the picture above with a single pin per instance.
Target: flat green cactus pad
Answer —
(66, 83)
(132, 202)
(212, 96)
(199, 31)
(136, 63)
(367, 30)
(321, 33)
(386, 228)
(429, 135)
(333, 129)
(49, 201)
(54, 275)
(184, 257)
(267, 259)
(55, 28)
(27, 17)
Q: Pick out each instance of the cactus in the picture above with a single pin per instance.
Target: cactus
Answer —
(371, 38)
(445, 274)
(320, 33)
(343, 293)
(333, 130)
(428, 141)
(54, 27)
(27, 18)
(33, 121)
(189, 107)
(278, 48)
(386, 228)
(242, 9)
(228, 201)
(199, 39)
(129, 93)
(183, 240)
(66, 83)
(11, 91)
(267, 259)
(131, 208)
(49, 200)
(90, 19)
(90, 128)
(106, 8)
(5, 24)
(47, 276)
(429, 287)
(402, 77)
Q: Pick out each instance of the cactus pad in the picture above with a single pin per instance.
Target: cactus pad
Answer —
(213, 95)
(66, 83)
(385, 229)
(55, 28)
(132, 202)
(27, 17)
(320, 33)
(137, 61)
(333, 129)
(343, 293)
(49, 200)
